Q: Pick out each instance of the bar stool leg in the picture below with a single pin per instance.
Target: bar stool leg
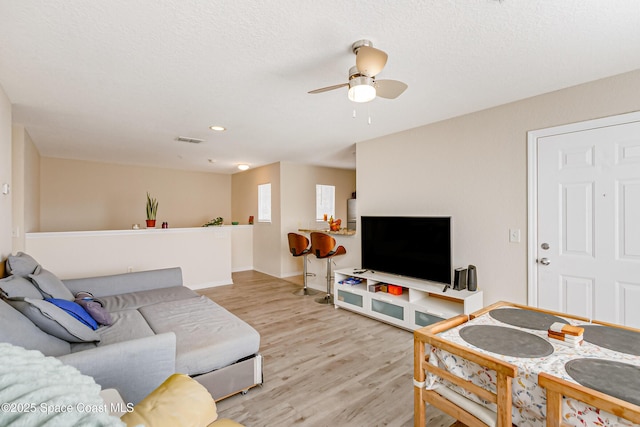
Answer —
(328, 298)
(305, 291)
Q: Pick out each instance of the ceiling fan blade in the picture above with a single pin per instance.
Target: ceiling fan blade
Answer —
(328, 88)
(390, 89)
(370, 61)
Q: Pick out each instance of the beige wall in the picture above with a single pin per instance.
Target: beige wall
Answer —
(5, 174)
(266, 236)
(26, 186)
(299, 202)
(80, 195)
(474, 168)
(31, 186)
(293, 202)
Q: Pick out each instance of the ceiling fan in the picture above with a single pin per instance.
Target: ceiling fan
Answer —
(363, 86)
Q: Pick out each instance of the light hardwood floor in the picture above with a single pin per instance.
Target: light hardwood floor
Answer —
(322, 366)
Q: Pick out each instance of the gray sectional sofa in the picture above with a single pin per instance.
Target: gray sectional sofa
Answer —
(159, 327)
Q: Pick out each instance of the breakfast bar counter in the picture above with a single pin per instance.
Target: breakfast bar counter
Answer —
(341, 232)
(318, 267)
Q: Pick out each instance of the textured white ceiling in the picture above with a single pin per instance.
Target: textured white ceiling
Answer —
(117, 81)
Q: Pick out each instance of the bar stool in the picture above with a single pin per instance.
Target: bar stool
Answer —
(299, 246)
(323, 246)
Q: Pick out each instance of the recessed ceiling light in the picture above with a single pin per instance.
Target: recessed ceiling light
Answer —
(243, 167)
(218, 128)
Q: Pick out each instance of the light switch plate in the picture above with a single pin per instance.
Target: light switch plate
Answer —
(514, 235)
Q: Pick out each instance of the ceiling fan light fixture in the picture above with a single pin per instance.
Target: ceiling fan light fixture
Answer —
(361, 89)
(243, 167)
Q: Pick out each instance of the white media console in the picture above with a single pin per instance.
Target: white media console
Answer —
(420, 303)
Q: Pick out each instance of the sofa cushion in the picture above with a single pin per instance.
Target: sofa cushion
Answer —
(21, 264)
(127, 282)
(54, 321)
(127, 325)
(18, 286)
(139, 299)
(49, 285)
(208, 337)
(19, 330)
(178, 401)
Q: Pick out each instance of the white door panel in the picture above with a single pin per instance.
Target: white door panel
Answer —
(577, 295)
(588, 199)
(628, 232)
(628, 303)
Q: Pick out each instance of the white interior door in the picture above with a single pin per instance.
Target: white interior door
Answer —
(587, 245)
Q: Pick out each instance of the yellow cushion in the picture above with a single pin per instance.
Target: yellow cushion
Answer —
(179, 401)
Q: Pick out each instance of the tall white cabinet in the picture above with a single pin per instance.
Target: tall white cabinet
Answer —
(421, 302)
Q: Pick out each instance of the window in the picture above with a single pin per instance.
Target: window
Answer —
(325, 202)
(264, 202)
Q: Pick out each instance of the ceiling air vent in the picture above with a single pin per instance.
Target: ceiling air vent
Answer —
(189, 140)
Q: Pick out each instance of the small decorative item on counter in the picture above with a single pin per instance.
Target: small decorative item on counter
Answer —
(334, 225)
(216, 221)
(152, 211)
(136, 226)
(251, 220)
(165, 224)
(234, 223)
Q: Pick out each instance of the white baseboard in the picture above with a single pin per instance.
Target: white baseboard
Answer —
(210, 284)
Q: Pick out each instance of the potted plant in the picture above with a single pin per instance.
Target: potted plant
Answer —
(216, 221)
(152, 210)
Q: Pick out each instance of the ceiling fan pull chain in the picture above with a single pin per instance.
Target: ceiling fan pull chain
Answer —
(354, 113)
(369, 113)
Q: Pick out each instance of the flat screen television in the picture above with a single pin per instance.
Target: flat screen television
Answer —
(418, 247)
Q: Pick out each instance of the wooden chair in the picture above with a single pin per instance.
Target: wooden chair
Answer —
(299, 246)
(557, 388)
(462, 409)
(323, 246)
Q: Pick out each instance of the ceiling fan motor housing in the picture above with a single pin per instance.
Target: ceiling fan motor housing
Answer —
(354, 73)
(361, 80)
(357, 45)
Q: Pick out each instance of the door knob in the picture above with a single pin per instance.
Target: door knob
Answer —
(545, 246)
(544, 261)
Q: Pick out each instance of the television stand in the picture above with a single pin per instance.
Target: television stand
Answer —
(413, 303)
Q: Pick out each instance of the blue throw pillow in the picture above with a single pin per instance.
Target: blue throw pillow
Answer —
(75, 310)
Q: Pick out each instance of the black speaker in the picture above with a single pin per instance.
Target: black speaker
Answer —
(460, 279)
(472, 278)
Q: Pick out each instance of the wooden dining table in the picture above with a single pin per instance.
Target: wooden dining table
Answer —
(483, 369)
